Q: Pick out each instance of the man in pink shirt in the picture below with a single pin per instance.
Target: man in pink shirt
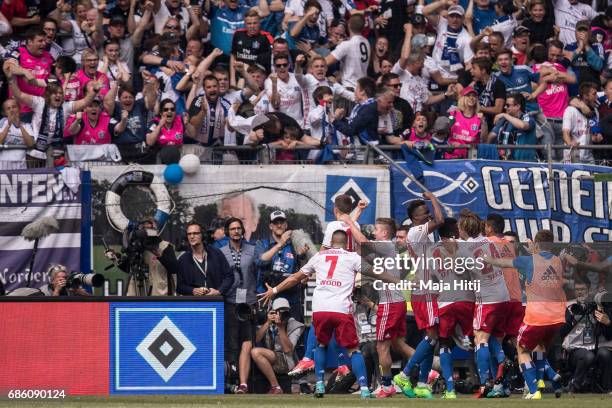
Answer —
(90, 72)
(31, 64)
(552, 93)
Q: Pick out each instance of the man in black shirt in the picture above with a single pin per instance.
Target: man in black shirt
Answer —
(491, 92)
(251, 45)
(403, 112)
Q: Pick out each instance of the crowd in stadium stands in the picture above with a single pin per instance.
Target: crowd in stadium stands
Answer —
(132, 78)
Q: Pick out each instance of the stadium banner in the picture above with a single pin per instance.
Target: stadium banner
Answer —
(108, 346)
(250, 192)
(580, 209)
(30, 195)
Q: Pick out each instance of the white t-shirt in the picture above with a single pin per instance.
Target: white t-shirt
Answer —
(580, 131)
(14, 159)
(335, 271)
(463, 48)
(263, 105)
(335, 226)
(566, 17)
(163, 14)
(38, 106)
(309, 83)
(354, 56)
(290, 97)
(506, 28)
(414, 88)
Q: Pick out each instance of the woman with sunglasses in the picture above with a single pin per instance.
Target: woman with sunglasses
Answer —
(469, 125)
(168, 128)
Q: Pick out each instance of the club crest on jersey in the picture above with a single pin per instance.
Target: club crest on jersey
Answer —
(255, 45)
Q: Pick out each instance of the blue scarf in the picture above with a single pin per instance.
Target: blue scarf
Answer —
(330, 138)
(450, 55)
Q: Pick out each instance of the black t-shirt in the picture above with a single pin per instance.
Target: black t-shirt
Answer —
(253, 50)
(406, 112)
(539, 32)
(135, 131)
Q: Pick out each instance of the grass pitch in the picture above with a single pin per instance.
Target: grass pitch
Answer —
(297, 401)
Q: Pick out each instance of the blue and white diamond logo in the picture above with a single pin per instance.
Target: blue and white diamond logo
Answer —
(166, 349)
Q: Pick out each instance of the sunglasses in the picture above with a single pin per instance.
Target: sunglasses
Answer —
(509, 105)
(281, 65)
(168, 110)
(395, 85)
(173, 27)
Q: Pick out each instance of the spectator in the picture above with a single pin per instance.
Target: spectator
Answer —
(169, 128)
(587, 57)
(363, 121)
(116, 70)
(381, 53)
(128, 44)
(283, 90)
(242, 258)
(491, 91)
(317, 67)
(353, 54)
(541, 26)
(319, 121)
(277, 338)
(207, 114)
(403, 115)
(89, 72)
(515, 127)
(439, 135)
(468, 127)
(89, 127)
(85, 29)
(164, 9)
(505, 22)
(251, 45)
(587, 336)
(226, 17)
(552, 93)
(203, 270)
(13, 132)
(306, 29)
(479, 15)
(567, 14)
(418, 133)
(65, 72)
(49, 26)
(576, 129)
(31, 64)
(520, 44)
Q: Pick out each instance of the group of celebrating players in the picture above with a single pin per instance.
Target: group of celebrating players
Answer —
(497, 309)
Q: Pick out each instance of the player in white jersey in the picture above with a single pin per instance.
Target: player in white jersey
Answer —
(353, 54)
(490, 311)
(335, 270)
(455, 302)
(423, 304)
(391, 311)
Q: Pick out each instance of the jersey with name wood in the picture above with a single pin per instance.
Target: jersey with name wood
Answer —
(335, 271)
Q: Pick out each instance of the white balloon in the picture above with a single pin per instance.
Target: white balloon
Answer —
(190, 163)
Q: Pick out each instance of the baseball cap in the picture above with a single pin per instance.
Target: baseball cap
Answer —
(468, 90)
(277, 215)
(456, 9)
(583, 25)
(442, 124)
(418, 20)
(280, 303)
(117, 19)
(520, 30)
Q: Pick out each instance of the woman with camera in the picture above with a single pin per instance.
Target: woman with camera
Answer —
(276, 340)
(587, 337)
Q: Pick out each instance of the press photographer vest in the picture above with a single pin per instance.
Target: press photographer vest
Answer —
(580, 337)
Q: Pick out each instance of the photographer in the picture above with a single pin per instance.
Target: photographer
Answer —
(241, 257)
(587, 337)
(60, 283)
(279, 260)
(203, 270)
(277, 337)
(157, 255)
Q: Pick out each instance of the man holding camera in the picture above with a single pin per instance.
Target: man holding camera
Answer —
(587, 337)
(279, 260)
(203, 270)
(278, 337)
(240, 256)
(60, 283)
(161, 262)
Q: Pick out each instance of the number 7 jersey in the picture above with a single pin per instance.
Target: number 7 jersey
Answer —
(335, 271)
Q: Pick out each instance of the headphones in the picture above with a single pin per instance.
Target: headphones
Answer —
(229, 222)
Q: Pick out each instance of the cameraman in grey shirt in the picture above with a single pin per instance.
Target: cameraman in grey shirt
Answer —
(278, 337)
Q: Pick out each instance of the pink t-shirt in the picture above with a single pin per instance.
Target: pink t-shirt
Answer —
(555, 98)
(172, 136)
(84, 79)
(71, 89)
(414, 138)
(40, 67)
(90, 135)
(464, 131)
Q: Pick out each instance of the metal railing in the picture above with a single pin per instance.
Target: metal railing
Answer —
(266, 154)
